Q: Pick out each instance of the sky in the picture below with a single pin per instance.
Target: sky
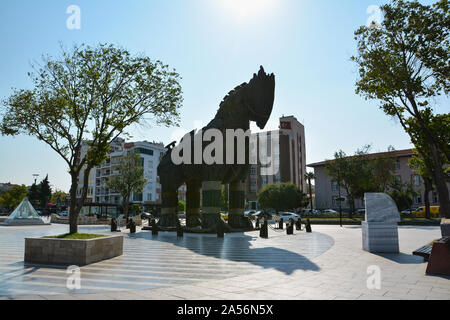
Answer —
(214, 45)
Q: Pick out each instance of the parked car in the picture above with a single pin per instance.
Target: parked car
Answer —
(224, 215)
(63, 213)
(361, 211)
(249, 212)
(286, 216)
(329, 211)
(407, 211)
(434, 211)
(146, 215)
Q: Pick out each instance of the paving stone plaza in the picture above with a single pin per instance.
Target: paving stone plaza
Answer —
(328, 263)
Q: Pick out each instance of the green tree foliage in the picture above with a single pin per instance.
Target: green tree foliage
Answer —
(280, 196)
(90, 94)
(308, 177)
(404, 65)
(13, 197)
(58, 197)
(403, 194)
(181, 206)
(45, 192)
(34, 194)
(129, 180)
(361, 173)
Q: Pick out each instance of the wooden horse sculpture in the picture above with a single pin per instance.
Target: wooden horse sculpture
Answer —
(247, 102)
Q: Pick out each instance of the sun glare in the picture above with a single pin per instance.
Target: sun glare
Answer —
(245, 8)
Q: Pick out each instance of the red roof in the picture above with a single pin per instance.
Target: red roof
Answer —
(396, 153)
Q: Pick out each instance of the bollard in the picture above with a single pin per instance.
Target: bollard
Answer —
(179, 229)
(132, 226)
(308, 226)
(154, 227)
(219, 227)
(280, 224)
(264, 232)
(113, 225)
(298, 225)
(290, 227)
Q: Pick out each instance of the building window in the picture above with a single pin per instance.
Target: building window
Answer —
(334, 185)
(137, 197)
(334, 201)
(253, 182)
(149, 197)
(418, 199)
(253, 171)
(397, 164)
(416, 180)
(145, 151)
(435, 197)
(398, 178)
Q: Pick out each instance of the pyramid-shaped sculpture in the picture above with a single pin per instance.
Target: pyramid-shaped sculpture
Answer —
(24, 214)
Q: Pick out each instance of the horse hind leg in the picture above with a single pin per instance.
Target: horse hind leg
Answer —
(169, 207)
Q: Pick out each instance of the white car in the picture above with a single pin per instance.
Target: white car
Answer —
(286, 216)
(249, 212)
(329, 211)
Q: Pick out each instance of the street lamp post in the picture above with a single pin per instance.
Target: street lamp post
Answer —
(339, 198)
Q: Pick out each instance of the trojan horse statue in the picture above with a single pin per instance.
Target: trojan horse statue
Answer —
(247, 102)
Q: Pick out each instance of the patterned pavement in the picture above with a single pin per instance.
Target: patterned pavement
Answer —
(151, 262)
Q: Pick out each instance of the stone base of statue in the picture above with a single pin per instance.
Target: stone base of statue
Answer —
(379, 231)
(380, 237)
(237, 221)
(193, 220)
(168, 220)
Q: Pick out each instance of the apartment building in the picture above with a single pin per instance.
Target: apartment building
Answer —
(327, 190)
(150, 152)
(288, 151)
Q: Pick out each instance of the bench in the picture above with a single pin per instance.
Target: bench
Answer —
(424, 252)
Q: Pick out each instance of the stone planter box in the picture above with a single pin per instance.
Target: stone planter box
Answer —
(53, 251)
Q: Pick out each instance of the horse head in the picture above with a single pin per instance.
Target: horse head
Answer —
(259, 97)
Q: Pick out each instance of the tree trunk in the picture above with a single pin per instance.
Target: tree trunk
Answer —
(441, 183)
(73, 214)
(426, 198)
(125, 204)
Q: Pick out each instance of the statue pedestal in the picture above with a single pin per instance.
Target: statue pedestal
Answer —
(380, 237)
(445, 227)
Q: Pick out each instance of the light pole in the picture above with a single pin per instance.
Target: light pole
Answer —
(339, 199)
(35, 175)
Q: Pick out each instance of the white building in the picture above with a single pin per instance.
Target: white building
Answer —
(150, 152)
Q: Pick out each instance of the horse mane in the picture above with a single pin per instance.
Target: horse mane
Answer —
(232, 94)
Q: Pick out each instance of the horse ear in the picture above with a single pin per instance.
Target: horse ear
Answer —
(261, 71)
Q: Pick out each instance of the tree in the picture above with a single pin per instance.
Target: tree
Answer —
(404, 64)
(181, 206)
(403, 194)
(45, 192)
(90, 94)
(310, 176)
(280, 196)
(58, 197)
(129, 180)
(361, 173)
(13, 197)
(34, 194)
